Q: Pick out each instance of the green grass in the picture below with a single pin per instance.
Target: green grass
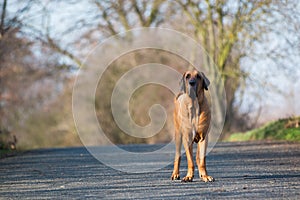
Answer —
(283, 129)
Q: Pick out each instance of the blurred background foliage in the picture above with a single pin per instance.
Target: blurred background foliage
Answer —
(282, 129)
(254, 44)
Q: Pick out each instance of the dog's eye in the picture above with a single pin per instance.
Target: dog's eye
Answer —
(188, 76)
(198, 76)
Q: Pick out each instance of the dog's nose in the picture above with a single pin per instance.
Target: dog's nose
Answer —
(192, 82)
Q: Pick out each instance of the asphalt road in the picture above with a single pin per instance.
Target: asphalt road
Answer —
(258, 170)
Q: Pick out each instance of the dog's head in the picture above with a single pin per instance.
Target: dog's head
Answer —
(194, 82)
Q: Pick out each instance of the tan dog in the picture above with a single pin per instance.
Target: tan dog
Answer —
(192, 120)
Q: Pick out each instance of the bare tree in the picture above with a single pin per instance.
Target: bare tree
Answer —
(230, 31)
(27, 81)
(104, 17)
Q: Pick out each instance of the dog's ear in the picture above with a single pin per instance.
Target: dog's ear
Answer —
(206, 82)
(182, 84)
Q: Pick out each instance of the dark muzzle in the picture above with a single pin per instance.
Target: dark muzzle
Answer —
(192, 82)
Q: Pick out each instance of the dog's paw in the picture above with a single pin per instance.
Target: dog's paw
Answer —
(175, 177)
(207, 178)
(187, 179)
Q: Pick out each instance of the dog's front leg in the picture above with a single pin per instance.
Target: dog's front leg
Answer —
(188, 146)
(178, 142)
(201, 161)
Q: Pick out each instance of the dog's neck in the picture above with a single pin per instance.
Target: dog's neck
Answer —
(196, 95)
(194, 109)
(192, 93)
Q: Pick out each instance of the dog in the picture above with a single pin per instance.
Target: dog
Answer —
(192, 121)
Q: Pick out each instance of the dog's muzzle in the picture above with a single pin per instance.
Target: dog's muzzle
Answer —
(192, 82)
(192, 88)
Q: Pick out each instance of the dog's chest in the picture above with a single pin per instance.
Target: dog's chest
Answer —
(189, 111)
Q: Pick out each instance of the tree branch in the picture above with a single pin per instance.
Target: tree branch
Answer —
(57, 48)
(153, 13)
(105, 17)
(212, 44)
(139, 12)
(2, 28)
(122, 14)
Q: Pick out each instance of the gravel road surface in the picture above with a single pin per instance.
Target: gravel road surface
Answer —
(249, 170)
